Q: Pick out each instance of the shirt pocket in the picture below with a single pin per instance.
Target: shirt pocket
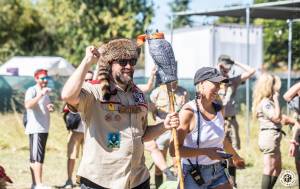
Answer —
(140, 121)
(112, 112)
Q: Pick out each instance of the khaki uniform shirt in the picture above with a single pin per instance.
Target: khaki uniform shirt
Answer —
(294, 105)
(265, 112)
(228, 96)
(113, 153)
(160, 98)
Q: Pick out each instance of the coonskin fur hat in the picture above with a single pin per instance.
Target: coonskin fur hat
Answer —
(119, 49)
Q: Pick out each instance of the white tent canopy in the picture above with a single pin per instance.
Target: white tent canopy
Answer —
(26, 66)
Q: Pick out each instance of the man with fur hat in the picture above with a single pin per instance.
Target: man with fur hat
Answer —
(115, 117)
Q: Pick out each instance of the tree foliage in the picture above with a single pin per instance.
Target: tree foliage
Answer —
(21, 30)
(276, 44)
(180, 21)
(275, 40)
(66, 27)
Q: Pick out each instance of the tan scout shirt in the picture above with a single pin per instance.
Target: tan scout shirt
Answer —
(265, 112)
(160, 98)
(228, 96)
(120, 165)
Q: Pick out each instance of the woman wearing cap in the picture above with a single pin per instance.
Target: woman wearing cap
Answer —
(266, 109)
(201, 135)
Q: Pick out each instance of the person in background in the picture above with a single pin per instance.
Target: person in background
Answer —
(75, 141)
(38, 107)
(266, 109)
(160, 102)
(201, 135)
(228, 93)
(292, 96)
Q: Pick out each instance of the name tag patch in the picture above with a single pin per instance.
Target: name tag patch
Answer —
(130, 109)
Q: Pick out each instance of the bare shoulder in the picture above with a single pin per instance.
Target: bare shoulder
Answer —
(186, 116)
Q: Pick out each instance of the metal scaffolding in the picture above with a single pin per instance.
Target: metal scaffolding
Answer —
(282, 10)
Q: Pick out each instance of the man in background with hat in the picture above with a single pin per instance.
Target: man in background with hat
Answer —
(113, 153)
(227, 93)
(38, 107)
(160, 100)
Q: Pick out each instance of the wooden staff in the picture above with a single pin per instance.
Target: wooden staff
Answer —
(171, 93)
(163, 56)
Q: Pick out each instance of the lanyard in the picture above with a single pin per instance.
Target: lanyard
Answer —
(198, 125)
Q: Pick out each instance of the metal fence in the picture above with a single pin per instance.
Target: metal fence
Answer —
(13, 88)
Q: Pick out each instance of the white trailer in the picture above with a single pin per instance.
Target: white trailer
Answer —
(201, 46)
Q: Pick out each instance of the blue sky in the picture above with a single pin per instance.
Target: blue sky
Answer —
(162, 8)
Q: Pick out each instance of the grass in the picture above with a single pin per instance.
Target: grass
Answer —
(14, 153)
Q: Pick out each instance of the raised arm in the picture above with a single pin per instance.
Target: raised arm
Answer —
(293, 91)
(149, 86)
(30, 103)
(72, 87)
(277, 114)
(248, 71)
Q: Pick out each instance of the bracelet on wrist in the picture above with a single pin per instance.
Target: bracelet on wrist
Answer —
(294, 142)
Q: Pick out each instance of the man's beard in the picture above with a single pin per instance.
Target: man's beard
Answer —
(124, 79)
(44, 84)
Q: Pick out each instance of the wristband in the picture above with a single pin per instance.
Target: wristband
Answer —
(294, 142)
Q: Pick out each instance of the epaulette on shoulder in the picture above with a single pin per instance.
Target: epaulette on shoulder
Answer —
(136, 88)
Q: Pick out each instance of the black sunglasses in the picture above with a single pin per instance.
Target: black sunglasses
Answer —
(88, 79)
(124, 62)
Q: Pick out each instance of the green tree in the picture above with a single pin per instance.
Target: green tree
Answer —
(66, 27)
(276, 44)
(79, 23)
(275, 40)
(180, 21)
(21, 30)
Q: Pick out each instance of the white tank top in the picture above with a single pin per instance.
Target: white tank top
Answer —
(211, 135)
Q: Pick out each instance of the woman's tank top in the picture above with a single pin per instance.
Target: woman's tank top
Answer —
(211, 135)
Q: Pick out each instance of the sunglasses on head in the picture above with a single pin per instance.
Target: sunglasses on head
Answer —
(124, 62)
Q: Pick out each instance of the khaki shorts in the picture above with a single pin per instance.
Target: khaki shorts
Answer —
(269, 141)
(163, 140)
(75, 142)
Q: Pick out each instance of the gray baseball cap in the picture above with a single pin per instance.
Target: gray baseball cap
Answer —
(226, 59)
(210, 74)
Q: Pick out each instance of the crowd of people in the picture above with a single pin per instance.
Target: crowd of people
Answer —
(113, 132)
